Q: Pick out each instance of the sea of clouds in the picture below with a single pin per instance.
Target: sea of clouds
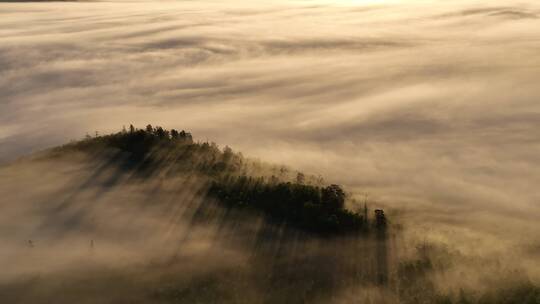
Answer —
(430, 107)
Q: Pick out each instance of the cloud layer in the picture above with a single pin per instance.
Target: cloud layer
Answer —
(429, 106)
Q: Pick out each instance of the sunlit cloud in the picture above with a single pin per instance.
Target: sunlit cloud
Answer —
(429, 106)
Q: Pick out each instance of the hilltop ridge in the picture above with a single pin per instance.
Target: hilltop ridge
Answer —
(304, 203)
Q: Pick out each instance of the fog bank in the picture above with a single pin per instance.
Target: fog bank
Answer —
(431, 107)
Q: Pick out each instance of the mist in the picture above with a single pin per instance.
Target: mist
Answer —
(87, 229)
(430, 108)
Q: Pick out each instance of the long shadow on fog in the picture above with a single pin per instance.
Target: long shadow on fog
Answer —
(276, 261)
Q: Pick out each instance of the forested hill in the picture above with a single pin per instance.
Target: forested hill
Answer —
(302, 201)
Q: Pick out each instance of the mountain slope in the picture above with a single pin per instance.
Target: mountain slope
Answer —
(146, 217)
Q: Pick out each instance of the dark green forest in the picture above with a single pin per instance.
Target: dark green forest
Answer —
(318, 209)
